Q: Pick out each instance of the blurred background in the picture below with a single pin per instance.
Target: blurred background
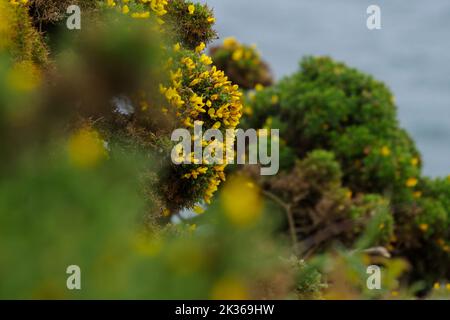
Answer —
(410, 53)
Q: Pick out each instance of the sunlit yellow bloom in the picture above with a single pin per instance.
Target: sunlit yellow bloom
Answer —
(86, 149)
(237, 54)
(211, 20)
(158, 6)
(241, 211)
(200, 47)
(229, 42)
(415, 161)
(385, 151)
(206, 59)
(259, 87)
(424, 227)
(191, 9)
(140, 15)
(411, 182)
(198, 210)
(194, 82)
(125, 9)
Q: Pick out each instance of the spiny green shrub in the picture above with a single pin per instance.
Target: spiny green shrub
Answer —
(327, 105)
(120, 78)
(191, 23)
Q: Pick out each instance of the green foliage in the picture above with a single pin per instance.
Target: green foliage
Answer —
(54, 214)
(327, 105)
(325, 212)
(190, 29)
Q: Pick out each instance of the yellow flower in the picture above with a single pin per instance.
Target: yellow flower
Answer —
(241, 211)
(142, 15)
(200, 47)
(275, 99)
(411, 182)
(110, 3)
(415, 161)
(191, 9)
(125, 9)
(259, 87)
(198, 210)
(211, 20)
(385, 151)
(176, 47)
(237, 54)
(205, 59)
(24, 77)
(158, 6)
(437, 286)
(230, 43)
(86, 149)
(229, 288)
(195, 82)
(417, 194)
(424, 227)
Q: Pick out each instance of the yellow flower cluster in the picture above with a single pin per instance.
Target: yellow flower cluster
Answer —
(241, 52)
(86, 149)
(158, 7)
(197, 92)
(18, 2)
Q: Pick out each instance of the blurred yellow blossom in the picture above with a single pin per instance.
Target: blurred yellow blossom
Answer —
(411, 182)
(86, 149)
(24, 76)
(229, 288)
(147, 246)
(241, 201)
(191, 9)
(229, 42)
(259, 87)
(385, 151)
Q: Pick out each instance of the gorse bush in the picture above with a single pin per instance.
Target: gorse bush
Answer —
(242, 63)
(191, 23)
(327, 105)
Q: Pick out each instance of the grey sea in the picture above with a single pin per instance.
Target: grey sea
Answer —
(411, 52)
